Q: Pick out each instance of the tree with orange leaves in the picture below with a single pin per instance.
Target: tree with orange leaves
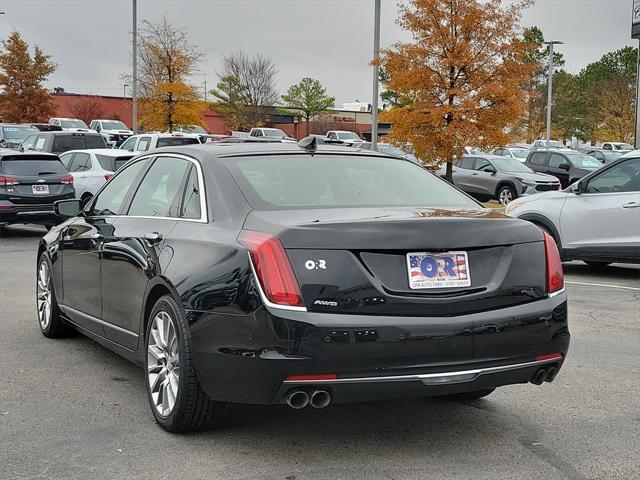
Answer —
(461, 81)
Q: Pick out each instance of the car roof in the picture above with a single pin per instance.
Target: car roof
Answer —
(555, 150)
(62, 132)
(8, 152)
(486, 156)
(223, 150)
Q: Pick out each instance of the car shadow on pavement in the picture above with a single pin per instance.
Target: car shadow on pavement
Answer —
(611, 272)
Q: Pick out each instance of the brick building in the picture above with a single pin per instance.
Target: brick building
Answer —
(120, 108)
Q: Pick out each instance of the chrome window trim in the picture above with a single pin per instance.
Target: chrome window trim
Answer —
(204, 216)
(430, 378)
(559, 292)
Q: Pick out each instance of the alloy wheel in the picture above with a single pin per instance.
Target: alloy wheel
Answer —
(506, 196)
(44, 295)
(163, 363)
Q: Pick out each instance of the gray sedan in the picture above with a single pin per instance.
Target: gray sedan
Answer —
(488, 177)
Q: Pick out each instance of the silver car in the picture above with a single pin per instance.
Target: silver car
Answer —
(490, 177)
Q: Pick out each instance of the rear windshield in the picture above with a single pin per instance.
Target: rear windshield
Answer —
(32, 167)
(304, 181)
(73, 124)
(17, 132)
(174, 141)
(112, 163)
(64, 143)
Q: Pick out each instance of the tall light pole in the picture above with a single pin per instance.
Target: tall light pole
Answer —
(135, 68)
(376, 73)
(550, 86)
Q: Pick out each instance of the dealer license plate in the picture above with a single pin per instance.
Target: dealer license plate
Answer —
(438, 270)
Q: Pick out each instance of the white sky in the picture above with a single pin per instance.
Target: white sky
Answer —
(330, 40)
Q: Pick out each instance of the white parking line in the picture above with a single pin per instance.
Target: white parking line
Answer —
(603, 285)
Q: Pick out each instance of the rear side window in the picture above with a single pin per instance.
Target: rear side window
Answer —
(32, 167)
(63, 143)
(158, 193)
(538, 158)
(107, 163)
(175, 141)
(297, 181)
(80, 163)
(110, 201)
(468, 163)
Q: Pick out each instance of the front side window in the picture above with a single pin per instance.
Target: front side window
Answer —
(468, 163)
(580, 160)
(556, 160)
(275, 182)
(110, 201)
(157, 195)
(624, 177)
(129, 144)
(29, 142)
(484, 165)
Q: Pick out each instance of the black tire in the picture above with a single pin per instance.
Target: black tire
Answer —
(193, 409)
(466, 396)
(593, 264)
(54, 327)
(506, 194)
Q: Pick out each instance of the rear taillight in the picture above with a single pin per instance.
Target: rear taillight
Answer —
(555, 275)
(9, 181)
(108, 176)
(273, 268)
(67, 180)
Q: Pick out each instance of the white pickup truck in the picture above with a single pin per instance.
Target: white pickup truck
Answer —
(616, 146)
(347, 137)
(273, 133)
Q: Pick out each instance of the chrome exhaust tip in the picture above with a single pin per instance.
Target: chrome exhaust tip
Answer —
(551, 374)
(320, 399)
(539, 377)
(297, 399)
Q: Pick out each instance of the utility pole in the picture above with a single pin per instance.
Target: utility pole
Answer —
(135, 67)
(550, 87)
(376, 73)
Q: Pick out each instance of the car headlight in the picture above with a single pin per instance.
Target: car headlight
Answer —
(527, 183)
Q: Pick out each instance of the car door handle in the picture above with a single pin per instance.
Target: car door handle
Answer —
(474, 173)
(631, 205)
(153, 237)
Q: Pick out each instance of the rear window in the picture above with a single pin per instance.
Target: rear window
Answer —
(17, 133)
(174, 141)
(32, 167)
(112, 163)
(305, 181)
(63, 143)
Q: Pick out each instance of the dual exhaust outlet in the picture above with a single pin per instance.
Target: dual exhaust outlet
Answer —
(298, 399)
(544, 375)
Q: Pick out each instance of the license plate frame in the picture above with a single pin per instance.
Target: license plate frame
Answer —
(430, 270)
(40, 189)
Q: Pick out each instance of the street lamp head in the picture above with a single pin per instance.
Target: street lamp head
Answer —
(553, 42)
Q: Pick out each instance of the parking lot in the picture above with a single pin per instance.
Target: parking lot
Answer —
(72, 409)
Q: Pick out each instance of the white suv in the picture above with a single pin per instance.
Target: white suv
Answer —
(597, 219)
(347, 137)
(70, 124)
(91, 168)
(148, 141)
(113, 131)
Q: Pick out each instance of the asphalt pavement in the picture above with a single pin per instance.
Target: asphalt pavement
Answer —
(72, 409)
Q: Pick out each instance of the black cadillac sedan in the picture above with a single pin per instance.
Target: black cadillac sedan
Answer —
(290, 274)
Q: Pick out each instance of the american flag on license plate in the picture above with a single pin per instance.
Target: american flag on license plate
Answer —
(438, 270)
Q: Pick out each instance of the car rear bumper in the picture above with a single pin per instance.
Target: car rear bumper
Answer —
(12, 213)
(250, 358)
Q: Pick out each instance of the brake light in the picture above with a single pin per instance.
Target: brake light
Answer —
(273, 268)
(108, 176)
(551, 356)
(67, 180)
(9, 181)
(555, 275)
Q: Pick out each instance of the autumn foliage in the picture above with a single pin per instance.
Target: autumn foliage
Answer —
(461, 80)
(23, 97)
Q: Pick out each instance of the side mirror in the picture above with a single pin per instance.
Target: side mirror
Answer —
(564, 166)
(67, 208)
(579, 187)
